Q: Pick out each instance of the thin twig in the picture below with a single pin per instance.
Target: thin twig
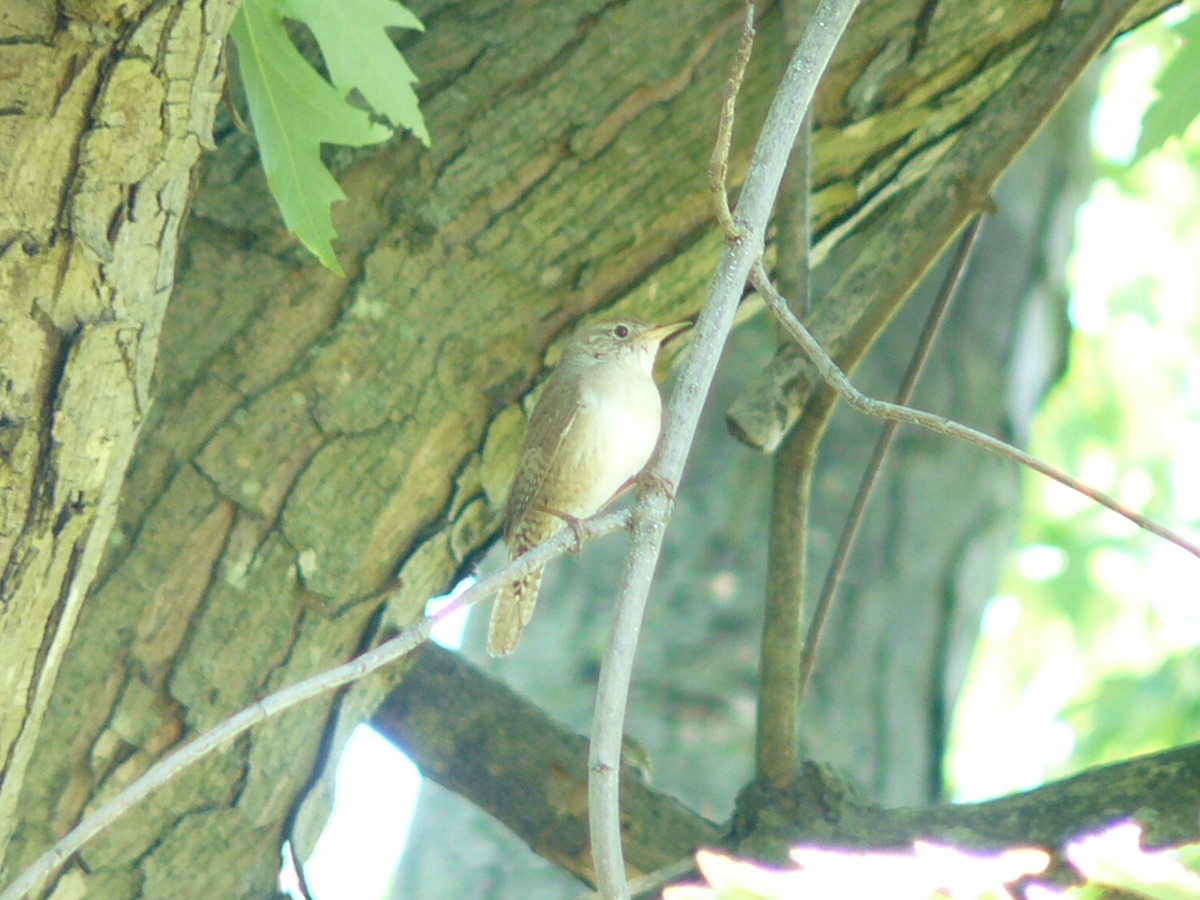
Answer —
(836, 378)
(307, 689)
(854, 519)
(914, 232)
(680, 419)
(718, 167)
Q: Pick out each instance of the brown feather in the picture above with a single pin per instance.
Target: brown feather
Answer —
(592, 430)
(525, 527)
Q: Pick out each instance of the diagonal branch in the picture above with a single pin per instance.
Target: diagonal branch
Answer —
(307, 689)
(450, 718)
(680, 419)
(836, 378)
(921, 222)
(866, 487)
(476, 736)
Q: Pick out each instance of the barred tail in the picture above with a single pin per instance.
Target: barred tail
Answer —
(511, 612)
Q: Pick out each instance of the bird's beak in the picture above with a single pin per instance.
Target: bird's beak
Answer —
(663, 334)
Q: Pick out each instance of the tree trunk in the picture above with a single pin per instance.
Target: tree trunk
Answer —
(311, 436)
(106, 111)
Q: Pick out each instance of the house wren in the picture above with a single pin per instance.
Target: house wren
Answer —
(590, 435)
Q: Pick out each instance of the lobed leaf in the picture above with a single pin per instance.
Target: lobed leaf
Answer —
(1178, 85)
(361, 57)
(294, 110)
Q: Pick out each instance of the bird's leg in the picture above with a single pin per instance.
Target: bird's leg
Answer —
(573, 522)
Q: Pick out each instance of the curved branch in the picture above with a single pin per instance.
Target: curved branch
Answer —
(836, 378)
(915, 231)
(680, 419)
(306, 689)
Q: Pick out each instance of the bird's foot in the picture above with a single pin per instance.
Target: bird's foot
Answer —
(654, 481)
(573, 522)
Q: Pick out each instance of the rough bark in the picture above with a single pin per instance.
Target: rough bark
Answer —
(310, 435)
(510, 759)
(106, 108)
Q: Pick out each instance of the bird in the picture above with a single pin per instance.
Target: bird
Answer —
(589, 437)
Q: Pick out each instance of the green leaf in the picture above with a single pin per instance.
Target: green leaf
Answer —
(361, 57)
(295, 110)
(1178, 88)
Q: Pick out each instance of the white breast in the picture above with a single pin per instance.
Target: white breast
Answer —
(614, 434)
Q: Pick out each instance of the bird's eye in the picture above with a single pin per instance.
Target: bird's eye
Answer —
(621, 331)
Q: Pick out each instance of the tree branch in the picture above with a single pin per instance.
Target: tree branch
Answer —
(777, 742)
(680, 419)
(835, 378)
(475, 736)
(922, 221)
(1160, 791)
(718, 167)
(862, 497)
(307, 689)
(497, 750)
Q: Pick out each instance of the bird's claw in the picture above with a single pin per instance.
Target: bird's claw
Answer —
(573, 522)
(654, 481)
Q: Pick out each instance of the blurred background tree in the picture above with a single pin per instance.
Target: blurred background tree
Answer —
(1092, 644)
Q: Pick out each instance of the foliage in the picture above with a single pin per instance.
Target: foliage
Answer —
(1177, 105)
(1090, 646)
(1112, 859)
(1127, 714)
(295, 110)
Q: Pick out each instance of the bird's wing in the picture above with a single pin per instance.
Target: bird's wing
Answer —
(552, 419)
